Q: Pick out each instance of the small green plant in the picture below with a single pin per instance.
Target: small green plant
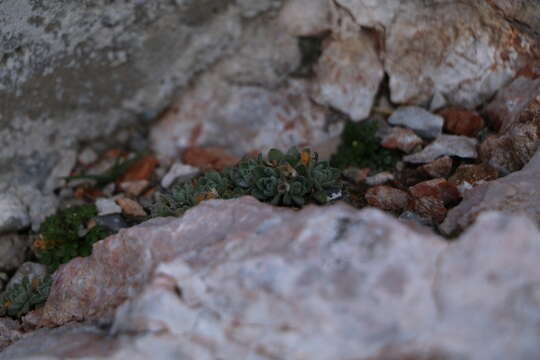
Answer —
(359, 147)
(24, 297)
(288, 179)
(60, 236)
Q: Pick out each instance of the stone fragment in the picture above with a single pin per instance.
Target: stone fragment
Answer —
(87, 156)
(461, 121)
(356, 175)
(10, 332)
(379, 179)
(134, 188)
(423, 122)
(13, 213)
(179, 172)
(430, 207)
(465, 51)
(445, 145)
(208, 158)
(403, 139)
(387, 198)
(114, 222)
(305, 17)
(131, 207)
(107, 206)
(140, 170)
(32, 270)
(512, 194)
(440, 189)
(62, 169)
(348, 75)
(473, 174)
(439, 168)
(13, 251)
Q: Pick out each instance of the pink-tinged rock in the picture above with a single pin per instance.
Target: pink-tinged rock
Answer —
(134, 188)
(356, 175)
(461, 121)
(403, 139)
(519, 134)
(445, 145)
(473, 174)
(387, 198)
(131, 207)
(379, 178)
(440, 168)
(465, 51)
(513, 99)
(518, 192)
(10, 332)
(430, 207)
(304, 284)
(305, 17)
(437, 188)
(241, 119)
(348, 74)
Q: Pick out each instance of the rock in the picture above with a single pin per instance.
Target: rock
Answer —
(114, 222)
(348, 74)
(131, 207)
(440, 189)
(13, 249)
(465, 51)
(356, 175)
(379, 179)
(87, 156)
(387, 198)
(209, 158)
(242, 119)
(400, 138)
(178, 172)
(13, 214)
(512, 194)
(473, 174)
(10, 332)
(445, 145)
(418, 222)
(142, 169)
(461, 121)
(107, 207)
(439, 168)
(32, 270)
(201, 286)
(305, 17)
(63, 169)
(134, 188)
(430, 207)
(421, 121)
(39, 205)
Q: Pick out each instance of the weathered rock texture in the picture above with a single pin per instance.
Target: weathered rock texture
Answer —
(234, 279)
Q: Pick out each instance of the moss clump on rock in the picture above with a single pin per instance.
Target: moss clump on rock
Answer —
(360, 148)
(284, 179)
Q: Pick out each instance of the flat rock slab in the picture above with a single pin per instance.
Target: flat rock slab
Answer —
(234, 279)
(445, 145)
(420, 120)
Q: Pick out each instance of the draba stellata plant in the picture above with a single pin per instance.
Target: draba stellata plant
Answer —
(293, 179)
(24, 296)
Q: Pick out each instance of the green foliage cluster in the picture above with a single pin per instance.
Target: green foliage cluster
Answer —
(61, 238)
(24, 297)
(288, 179)
(359, 147)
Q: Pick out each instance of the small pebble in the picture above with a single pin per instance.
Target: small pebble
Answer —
(107, 207)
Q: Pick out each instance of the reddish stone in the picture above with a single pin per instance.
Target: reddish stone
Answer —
(131, 207)
(209, 158)
(387, 198)
(358, 176)
(134, 188)
(461, 121)
(473, 174)
(440, 168)
(403, 139)
(439, 189)
(86, 193)
(430, 207)
(142, 169)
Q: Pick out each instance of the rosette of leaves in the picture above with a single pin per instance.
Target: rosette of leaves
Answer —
(293, 178)
(24, 297)
(60, 239)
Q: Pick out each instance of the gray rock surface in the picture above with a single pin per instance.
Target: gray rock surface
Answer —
(13, 250)
(445, 145)
(236, 279)
(423, 122)
(13, 214)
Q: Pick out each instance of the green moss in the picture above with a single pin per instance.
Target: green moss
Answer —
(359, 147)
(60, 239)
(286, 179)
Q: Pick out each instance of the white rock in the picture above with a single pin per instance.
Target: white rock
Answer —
(87, 156)
(31, 269)
(180, 172)
(13, 213)
(379, 179)
(418, 119)
(107, 207)
(450, 145)
(305, 17)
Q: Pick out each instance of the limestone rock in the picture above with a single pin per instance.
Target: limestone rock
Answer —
(421, 121)
(305, 17)
(387, 198)
(13, 248)
(445, 145)
(13, 214)
(400, 138)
